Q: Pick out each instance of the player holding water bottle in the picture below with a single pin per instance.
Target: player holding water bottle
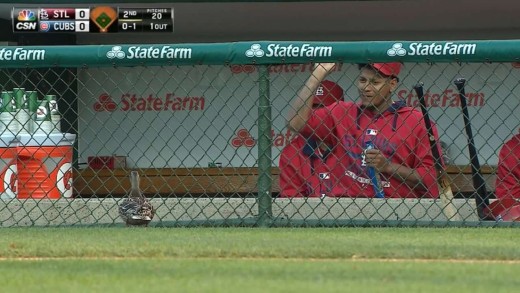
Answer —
(401, 152)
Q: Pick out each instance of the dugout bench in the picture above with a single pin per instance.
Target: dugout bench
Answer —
(223, 182)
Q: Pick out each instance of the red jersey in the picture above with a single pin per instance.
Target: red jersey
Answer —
(306, 170)
(507, 182)
(399, 133)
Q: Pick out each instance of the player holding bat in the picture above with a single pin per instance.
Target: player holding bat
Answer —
(375, 137)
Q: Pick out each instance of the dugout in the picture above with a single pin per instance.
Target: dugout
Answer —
(229, 21)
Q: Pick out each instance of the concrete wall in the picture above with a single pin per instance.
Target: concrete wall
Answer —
(186, 211)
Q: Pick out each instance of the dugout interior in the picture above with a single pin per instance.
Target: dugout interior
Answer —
(244, 21)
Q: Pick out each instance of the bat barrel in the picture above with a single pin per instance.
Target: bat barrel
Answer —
(481, 200)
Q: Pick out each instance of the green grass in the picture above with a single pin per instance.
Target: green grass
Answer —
(259, 260)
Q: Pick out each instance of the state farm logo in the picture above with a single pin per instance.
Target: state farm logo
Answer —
(244, 138)
(396, 50)
(279, 68)
(151, 102)
(105, 103)
(12, 54)
(292, 50)
(116, 52)
(432, 49)
(149, 52)
(255, 51)
(446, 98)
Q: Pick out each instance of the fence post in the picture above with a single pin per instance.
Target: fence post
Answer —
(265, 180)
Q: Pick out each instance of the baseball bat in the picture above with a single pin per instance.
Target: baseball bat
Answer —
(481, 199)
(446, 194)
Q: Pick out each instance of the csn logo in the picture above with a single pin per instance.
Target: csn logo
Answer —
(26, 21)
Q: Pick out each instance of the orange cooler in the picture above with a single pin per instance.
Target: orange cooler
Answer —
(45, 165)
(8, 167)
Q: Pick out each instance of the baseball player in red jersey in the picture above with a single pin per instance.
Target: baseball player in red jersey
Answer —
(401, 151)
(305, 163)
(507, 184)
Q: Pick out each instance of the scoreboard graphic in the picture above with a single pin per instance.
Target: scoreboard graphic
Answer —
(100, 19)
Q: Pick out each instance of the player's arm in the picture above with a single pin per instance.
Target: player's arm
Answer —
(419, 172)
(375, 158)
(409, 176)
(301, 108)
(292, 184)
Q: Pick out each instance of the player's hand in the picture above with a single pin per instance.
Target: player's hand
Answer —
(323, 69)
(375, 158)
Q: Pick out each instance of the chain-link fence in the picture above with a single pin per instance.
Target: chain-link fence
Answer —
(205, 127)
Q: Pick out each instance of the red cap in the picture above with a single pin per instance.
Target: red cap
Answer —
(388, 69)
(328, 92)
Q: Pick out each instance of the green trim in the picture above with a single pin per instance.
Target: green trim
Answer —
(261, 52)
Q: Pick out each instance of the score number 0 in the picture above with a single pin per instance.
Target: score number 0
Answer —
(82, 19)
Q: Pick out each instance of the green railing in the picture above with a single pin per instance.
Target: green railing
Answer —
(267, 52)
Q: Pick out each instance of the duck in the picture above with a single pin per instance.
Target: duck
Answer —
(136, 209)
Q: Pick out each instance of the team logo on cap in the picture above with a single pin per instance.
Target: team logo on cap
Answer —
(396, 50)
(320, 91)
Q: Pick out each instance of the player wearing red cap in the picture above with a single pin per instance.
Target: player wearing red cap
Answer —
(305, 163)
(401, 151)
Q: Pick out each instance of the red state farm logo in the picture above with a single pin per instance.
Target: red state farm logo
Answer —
(278, 68)
(105, 103)
(243, 138)
(446, 98)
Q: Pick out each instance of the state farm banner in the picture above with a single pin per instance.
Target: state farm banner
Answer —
(258, 52)
(190, 116)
